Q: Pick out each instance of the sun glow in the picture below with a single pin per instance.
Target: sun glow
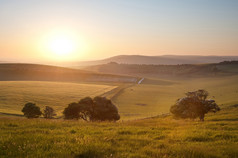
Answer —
(62, 45)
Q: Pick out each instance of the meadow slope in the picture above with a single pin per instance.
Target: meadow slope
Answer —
(36, 72)
(14, 94)
(152, 97)
(155, 97)
(217, 137)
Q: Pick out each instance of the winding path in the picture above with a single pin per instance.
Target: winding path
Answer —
(139, 82)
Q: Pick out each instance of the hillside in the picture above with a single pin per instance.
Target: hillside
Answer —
(150, 98)
(15, 94)
(134, 101)
(159, 60)
(156, 137)
(157, 71)
(35, 72)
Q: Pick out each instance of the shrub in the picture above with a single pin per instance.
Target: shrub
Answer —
(49, 112)
(194, 105)
(30, 110)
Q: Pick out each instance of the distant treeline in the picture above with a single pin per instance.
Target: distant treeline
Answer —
(183, 70)
(156, 70)
(234, 62)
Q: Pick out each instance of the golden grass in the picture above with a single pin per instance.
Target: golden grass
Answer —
(133, 101)
(147, 99)
(217, 137)
(14, 94)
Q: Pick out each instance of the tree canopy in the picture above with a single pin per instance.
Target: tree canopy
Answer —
(30, 110)
(88, 109)
(194, 105)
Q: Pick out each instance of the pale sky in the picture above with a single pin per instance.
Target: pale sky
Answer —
(50, 30)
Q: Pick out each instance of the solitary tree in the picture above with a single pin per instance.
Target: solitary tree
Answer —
(49, 112)
(194, 105)
(30, 110)
(88, 109)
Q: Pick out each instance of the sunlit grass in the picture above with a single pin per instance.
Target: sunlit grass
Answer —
(147, 99)
(14, 94)
(157, 137)
(133, 101)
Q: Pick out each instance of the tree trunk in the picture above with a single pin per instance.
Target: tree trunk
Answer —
(202, 117)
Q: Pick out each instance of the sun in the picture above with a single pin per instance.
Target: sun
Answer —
(62, 45)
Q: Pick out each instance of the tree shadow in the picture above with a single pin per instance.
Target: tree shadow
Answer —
(226, 119)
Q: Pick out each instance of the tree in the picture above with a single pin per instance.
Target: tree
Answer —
(49, 112)
(194, 105)
(72, 111)
(30, 110)
(88, 109)
(104, 110)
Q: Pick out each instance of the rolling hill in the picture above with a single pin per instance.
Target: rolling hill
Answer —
(168, 71)
(159, 60)
(35, 72)
(14, 94)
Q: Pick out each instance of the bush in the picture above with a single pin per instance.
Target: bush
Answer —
(30, 110)
(49, 112)
(88, 109)
(194, 105)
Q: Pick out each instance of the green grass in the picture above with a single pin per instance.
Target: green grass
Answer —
(151, 98)
(14, 94)
(141, 138)
(148, 99)
(156, 137)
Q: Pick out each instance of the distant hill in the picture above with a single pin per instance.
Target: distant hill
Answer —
(157, 71)
(34, 72)
(159, 60)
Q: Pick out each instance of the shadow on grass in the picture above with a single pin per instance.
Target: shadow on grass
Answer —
(90, 154)
(94, 152)
(226, 119)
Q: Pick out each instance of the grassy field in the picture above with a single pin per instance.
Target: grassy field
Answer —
(132, 136)
(217, 137)
(36, 72)
(14, 94)
(150, 99)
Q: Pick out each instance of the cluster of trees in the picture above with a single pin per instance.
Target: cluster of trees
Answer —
(30, 110)
(233, 62)
(194, 105)
(96, 109)
(88, 109)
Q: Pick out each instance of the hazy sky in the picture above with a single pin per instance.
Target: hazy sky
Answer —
(104, 28)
